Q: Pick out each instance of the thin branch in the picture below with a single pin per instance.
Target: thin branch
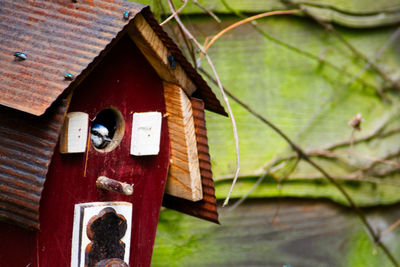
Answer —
(356, 176)
(275, 217)
(355, 208)
(326, 151)
(188, 45)
(377, 89)
(386, 160)
(302, 155)
(257, 115)
(249, 19)
(329, 27)
(207, 11)
(175, 13)
(366, 171)
(374, 160)
(391, 228)
(341, 9)
(366, 138)
(259, 180)
(235, 133)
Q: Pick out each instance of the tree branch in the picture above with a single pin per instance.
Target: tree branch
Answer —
(302, 155)
(329, 27)
(377, 89)
(207, 11)
(175, 13)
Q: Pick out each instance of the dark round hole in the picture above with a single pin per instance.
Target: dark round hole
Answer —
(107, 129)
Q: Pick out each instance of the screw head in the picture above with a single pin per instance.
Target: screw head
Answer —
(20, 55)
(68, 77)
(127, 14)
(172, 62)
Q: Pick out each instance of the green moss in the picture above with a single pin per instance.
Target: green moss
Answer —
(361, 252)
(364, 194)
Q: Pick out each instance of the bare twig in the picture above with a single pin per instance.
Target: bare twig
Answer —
(386, 160)
(247, 20)
(307, 54)
(174, 13)
(235, 133)
(376, 134)
(280, 181)
(302, 155)
(390, 228)
(360, 174)
(329, 27)
(360, 214)
(374, 160)
(188, 45)
(378, 90)
(271, 169)
(207, 11)
(370, 63)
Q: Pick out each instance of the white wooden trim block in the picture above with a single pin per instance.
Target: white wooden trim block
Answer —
(146, 133)
(82, 214)
(75, 133)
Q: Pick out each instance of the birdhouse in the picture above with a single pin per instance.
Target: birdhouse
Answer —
(101, 123)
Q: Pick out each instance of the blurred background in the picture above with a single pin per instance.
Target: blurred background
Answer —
(310, 74)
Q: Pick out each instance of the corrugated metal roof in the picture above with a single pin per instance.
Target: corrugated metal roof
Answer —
(207, 207)
(58, 38)
(27, 143)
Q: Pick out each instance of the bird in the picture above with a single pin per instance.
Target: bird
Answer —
(99, 135)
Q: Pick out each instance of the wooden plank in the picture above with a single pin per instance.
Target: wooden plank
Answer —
(75, 133)
(157, 54)
(184, 178)
(277, 232)
(207, 207)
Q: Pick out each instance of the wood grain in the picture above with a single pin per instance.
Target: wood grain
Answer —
(276, 232)
(184, 178)
(157, 54)
(132, 87)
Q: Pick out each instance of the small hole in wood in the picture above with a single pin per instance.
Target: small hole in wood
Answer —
(107, 129)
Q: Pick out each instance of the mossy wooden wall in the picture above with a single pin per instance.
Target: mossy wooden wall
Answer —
(311, 102)
(298, 233)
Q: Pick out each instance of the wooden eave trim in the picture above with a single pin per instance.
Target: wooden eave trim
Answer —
(148, 42)
(184, 177)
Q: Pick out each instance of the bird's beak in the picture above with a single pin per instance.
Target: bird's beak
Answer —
(107, 139)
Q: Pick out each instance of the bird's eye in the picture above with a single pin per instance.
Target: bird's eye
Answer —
(107, 129)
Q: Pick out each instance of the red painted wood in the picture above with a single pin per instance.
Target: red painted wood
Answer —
(124, 80)
(17, 246)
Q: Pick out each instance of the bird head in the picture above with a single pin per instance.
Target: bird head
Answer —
(99, 135)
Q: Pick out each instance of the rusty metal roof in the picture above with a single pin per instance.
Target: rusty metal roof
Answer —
(60, 37)
(27, 143)
(207, 207)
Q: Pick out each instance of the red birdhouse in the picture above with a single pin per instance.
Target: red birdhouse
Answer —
(101, 123)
